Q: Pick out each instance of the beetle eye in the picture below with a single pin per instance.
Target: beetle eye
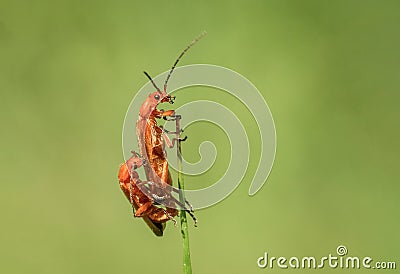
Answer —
(157, 97)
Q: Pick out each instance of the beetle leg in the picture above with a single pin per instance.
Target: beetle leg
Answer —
(170, 216)
(165, 113)
(172, 200)
(173, 132)
(189, 205)
(145, 187)
(189, 211)
(171, 143)
(193, 217)
(170, 188)
(170, 132)
(131, 196)
(138, 159)
(173, 117)
(180, 139)
(167, 140)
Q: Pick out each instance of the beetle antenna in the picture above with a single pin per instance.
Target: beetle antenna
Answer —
(151, 80)
(180, 56)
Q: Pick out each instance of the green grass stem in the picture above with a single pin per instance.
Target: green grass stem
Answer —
(187, 265)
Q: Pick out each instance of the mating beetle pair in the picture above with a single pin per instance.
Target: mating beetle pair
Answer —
(145, 196)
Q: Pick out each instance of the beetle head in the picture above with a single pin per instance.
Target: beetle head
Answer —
(162, 96)
(135, 161)
(167, 98)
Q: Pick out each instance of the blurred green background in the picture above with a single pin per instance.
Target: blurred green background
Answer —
(329, 71)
